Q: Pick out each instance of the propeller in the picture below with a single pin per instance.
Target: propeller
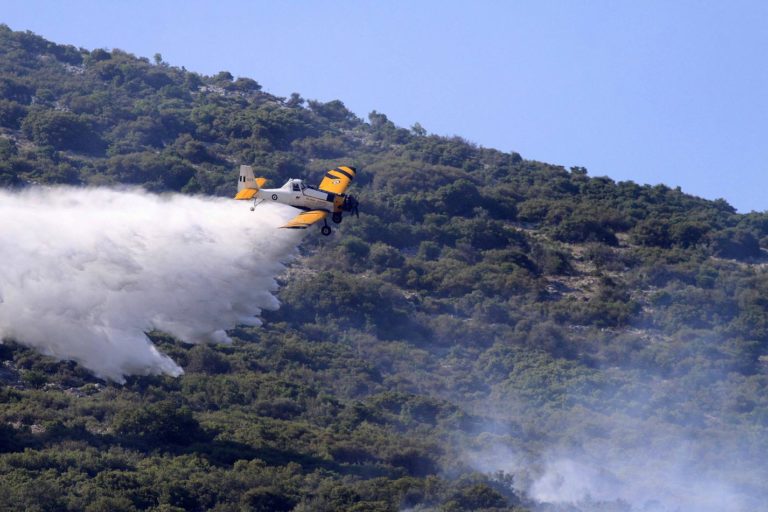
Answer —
(351, 204)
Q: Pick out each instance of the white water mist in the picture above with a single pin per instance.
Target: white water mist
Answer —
(84, 273)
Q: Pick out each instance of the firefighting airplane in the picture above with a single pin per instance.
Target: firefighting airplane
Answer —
(317, 202)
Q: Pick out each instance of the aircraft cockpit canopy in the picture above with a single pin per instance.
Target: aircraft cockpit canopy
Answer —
(297, 185)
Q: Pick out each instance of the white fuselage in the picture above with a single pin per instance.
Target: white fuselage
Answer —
(297, 194)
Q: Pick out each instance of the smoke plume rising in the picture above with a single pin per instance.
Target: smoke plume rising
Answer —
(84, 273)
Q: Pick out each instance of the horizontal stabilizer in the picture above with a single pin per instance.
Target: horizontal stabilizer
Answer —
(246, 193)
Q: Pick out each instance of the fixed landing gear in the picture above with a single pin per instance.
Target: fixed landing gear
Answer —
(326, 229)
(336, 218)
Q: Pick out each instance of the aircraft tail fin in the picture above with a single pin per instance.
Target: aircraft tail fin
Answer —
(248, 185)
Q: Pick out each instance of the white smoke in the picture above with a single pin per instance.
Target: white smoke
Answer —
(631, 466)
(565, 480)
(84, 273)
(662, 484)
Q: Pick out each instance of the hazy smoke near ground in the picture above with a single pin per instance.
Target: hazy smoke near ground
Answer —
(621, 460)
(84, 273)
(640, 480)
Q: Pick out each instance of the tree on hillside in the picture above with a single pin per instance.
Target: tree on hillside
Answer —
(61, 130)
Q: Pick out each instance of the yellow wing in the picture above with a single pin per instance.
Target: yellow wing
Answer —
(337, 180)
(306, 219)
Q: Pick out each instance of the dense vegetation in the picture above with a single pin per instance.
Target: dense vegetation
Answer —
(484, 300)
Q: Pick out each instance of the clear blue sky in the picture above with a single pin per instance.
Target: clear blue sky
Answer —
(653, 91)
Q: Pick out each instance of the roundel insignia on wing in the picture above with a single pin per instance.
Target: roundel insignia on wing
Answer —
(274, 197)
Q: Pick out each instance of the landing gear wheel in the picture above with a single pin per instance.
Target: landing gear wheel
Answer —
(336, 218)
(326, 230)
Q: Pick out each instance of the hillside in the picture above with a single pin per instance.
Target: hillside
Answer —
(492, 333)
